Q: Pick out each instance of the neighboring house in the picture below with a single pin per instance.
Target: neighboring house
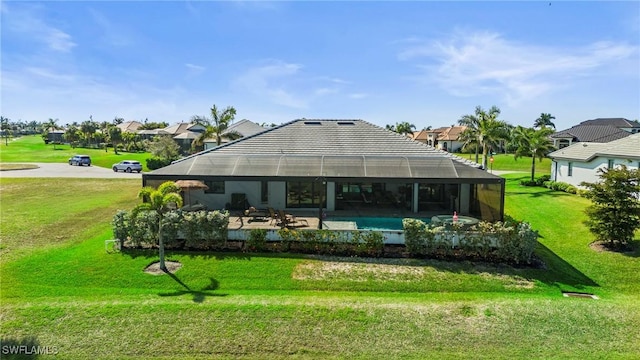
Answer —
(338, 165)
(243, 127)
(599, 130)
(129, 126)
(580, 162)
(55, 136)
(443, 138)
(150, 134)
(184, 140)
(180, 128)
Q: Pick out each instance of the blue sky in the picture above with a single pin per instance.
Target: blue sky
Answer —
(427, 63)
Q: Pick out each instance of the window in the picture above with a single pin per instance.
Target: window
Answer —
(570, 169)
(264, 192)
(215, 187)
(610, 164)
(304, 194)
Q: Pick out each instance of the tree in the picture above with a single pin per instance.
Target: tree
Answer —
(534, 143)
(4, 126)
(163, 147)
(219, 122)
(404, 128)
(72, 135)
(614, 214)
(88, 129)
(486, 129)
(160, 200)
(115, 136)
(544, 120)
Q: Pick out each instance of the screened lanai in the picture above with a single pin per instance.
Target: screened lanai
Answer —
(338, 165)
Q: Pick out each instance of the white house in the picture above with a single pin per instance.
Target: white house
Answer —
(581, 161)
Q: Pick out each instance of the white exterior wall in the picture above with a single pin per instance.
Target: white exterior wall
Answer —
(585, 171)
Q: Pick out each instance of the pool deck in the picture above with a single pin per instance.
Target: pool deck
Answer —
(309, 220)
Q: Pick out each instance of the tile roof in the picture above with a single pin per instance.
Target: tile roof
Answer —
(306, 142)
(617, 122)
(245, 127)
(627, 147)
(129, 126)
(451, 133)
(591, 133)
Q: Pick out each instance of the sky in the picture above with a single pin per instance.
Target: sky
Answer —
(423, 62)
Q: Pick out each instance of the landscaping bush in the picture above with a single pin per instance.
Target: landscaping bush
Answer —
(257, 240)
(199, 229)
(154, 163)
(486, 241)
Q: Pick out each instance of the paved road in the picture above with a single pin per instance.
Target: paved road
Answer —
(58, 170)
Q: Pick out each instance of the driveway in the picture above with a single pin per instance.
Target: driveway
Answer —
(61, 170)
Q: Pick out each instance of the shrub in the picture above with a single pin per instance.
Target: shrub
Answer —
(500, 241)
(154, 163)
(257, 240)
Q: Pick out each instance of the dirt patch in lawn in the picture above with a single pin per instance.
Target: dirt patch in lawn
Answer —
(154, 268)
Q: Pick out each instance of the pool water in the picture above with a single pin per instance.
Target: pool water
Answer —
(376, 223)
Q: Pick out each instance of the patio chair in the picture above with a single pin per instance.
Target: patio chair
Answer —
(274, 216)
(290, 219)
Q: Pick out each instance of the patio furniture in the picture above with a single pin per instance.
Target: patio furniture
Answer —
(256, 214)
(289, 219)
(273, 215)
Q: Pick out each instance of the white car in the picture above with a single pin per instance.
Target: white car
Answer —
(128, 166)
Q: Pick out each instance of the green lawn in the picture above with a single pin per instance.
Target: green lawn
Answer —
(507, 162)
(32, 148)
(60, 288)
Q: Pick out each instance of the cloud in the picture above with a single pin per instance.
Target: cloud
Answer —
(470, 64)
(28, 22)
(194, 70)
(358, 96)
(273, 80)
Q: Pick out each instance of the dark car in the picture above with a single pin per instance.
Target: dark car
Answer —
(80, 160)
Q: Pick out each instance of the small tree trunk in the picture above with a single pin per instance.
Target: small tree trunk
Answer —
(163, 267)
(533, 167)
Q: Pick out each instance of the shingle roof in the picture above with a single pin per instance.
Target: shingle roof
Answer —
(592, 133)
(129, 126)
(628, 147)
(616, 122)
(327, 148)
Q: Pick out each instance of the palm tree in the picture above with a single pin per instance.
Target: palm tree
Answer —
(544, 120)
(115, 136)
(486, 129)
(404, 128)
(159, 200)
(217, 126)
(534, 143)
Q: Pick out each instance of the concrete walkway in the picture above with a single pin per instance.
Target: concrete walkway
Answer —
(61, 170)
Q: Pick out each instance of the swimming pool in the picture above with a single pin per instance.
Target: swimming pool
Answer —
(375, 223)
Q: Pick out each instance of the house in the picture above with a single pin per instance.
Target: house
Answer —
(129, 126)
(599, 130)
(443, 138)
(54, 136)
(347, 166)
(580, 162)
(243, 128)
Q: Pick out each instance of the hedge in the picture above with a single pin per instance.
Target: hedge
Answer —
(512, 243)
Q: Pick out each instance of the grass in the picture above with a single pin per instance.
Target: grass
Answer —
(507, 162)
(60, 288)
(32, 148)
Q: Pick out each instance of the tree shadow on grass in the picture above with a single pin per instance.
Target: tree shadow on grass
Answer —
(198, 295)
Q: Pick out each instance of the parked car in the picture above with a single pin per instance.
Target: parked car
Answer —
(128, 166)
(80, 160)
